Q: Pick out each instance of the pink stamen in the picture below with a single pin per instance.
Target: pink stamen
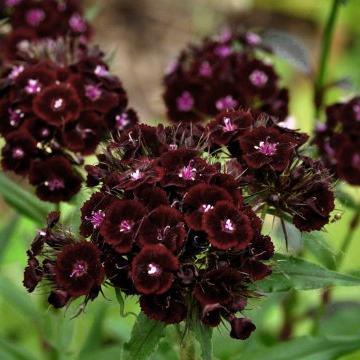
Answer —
(79, 269)
(153, 269)
(356, 110)
(77, 23)
(15, 116)
(18, 153)
(205, 69)
(266, 148)
(33, 86)
(227, 102)
(228, 226)
(188, 172)
(55, 184)
(35, 16)
(228, 125)
(93, 92)
(101, 71)
(122, 120)
(185, 101)
(96, 218)
(223, 51)
(15, 72)
(258, 78)
(126, 226)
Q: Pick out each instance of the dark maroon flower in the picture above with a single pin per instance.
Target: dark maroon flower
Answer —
(152, 270)
(152, 197)
(40, 130)
(199, 200)
(57, 104)
(227, 227)
(55, 179)
(314, 210)
(33, 274)
(78, 268)
(58, 298)
(11, 117)
(13, 42)
(267, 147)
(93, 213)
(241, 328)
(18, 152)
(121, 225)
(168, 308)
(164, 226)
(228, 125)
(348, 162)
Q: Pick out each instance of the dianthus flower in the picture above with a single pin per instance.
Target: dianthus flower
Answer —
(223, 73)
(55, 109)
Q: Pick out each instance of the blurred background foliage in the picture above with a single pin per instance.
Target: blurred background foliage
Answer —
(143, 36)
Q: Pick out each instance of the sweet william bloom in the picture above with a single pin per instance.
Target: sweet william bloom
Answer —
(121, 224)
(241, 328)
(153, 269)
(78, 269)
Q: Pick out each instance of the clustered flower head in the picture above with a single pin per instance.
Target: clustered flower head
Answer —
(338, 140)
(167, 223)
(268, 162)
(224, 72)
(55, 108)
(32, 20)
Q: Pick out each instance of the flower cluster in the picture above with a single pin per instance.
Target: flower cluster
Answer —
(222, 73)
(268, 161)
(31, 20)
(338, 140)
(167, 223)
(55, 109)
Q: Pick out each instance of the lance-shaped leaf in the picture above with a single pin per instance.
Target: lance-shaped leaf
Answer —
(305, 348)
(203, 335)
(294, 273)
(145, 338)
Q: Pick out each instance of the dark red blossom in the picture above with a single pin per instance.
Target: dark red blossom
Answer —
(267, 147)
(78, 269)
(153, 269)
(55, 179)
(163, 226)
(227, 227)
(241, 328)
(121, 225)
(33, 274)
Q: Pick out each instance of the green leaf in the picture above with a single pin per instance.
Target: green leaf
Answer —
(24, 202)
(8, 350)
(288, 48)
(145, 337)
(112, 352)
(294, 273)
(316, 243)
(305, 348)
(346, 199)
(121, 302)
(203, 335)
(93, 11)
(94, 338)
(6, 234)
(19, 299)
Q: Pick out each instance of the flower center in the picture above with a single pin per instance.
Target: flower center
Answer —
(15, 116)
(121, 120)
(266, 148)
(355, 162)
(185, 101)
(55, 184)
(79, 269)
(96, 218)
(77, 23)
(162, 233)
(93, 92)
(228, 125)
(33, 86)
(223, 51)
(226, 102)
(12, 2)
(206, 207)
(58, 104)
(356, 110)
(153, 269)
(15, 72)
(101, 71)
(136, 175)
(126, 226)
(258, 78)
(228, 226)
(45, 132)
(252, 38)
(35, 16)
(205, 69)
(18, 153)
(188, 172)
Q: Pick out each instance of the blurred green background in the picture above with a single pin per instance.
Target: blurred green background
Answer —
(146, 35)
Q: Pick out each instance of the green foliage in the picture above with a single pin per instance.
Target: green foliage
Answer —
(203, 335)
(145, 338)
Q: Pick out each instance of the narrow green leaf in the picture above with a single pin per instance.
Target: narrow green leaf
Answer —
(9, 350)
(203, 335)
(121, 302)
(293, 273)
(145, 337)
(19, 299)
(112, 352)
(94, 338)
(346, 199)
(289, 48)
(316, 243)
(305, 348)
(24, 202)
(93, 11)
(6, 234)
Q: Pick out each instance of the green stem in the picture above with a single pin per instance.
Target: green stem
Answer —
(324, 57)
(187, 347)
(347, 240)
